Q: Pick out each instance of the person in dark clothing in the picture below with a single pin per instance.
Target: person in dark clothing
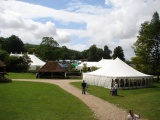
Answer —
(84, 87)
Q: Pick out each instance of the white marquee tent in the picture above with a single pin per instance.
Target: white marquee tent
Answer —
(104, 62)
(36, 62)
(88, 64)
(99, 64)
(117, 71)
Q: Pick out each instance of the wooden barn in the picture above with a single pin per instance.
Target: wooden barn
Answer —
(51, 69)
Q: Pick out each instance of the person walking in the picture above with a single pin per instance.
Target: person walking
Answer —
(116, 88)
(84, 87)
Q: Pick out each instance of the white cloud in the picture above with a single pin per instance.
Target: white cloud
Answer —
(63, 37)
(115, 26)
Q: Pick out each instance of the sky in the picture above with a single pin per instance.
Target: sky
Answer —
(77, 24)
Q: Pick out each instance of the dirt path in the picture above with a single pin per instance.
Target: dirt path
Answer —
(102, 109)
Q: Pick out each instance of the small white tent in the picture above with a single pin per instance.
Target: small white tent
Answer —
(117, 71)
(36, 62)
(99, 64)
(88, 64)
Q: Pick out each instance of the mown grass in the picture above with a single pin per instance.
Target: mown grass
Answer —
(40, 101)
(21, 75)
(145, 101)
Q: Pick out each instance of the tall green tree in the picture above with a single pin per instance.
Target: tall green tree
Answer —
(118, 52)
(94, 53)
(47, 47)
(85, 54)
(13, 44)
(147, 47)
(107, 53)
(65, 54)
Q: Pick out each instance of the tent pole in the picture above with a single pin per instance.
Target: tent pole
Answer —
(119, 83)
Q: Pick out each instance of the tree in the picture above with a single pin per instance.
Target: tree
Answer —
(18, 64)
(14, 44)
(107, 53)
(94, 53)
(85, 54)
(147, 47)
(30, 48)
(118, 52)
(49, 42)
(3, 55)
(65, 54)
(46, 48)
(85, 68)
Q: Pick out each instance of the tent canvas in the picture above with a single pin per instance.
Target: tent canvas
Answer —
(116, 69)
(104, 62)
(99, 64)
(36, 62)
(88, 64)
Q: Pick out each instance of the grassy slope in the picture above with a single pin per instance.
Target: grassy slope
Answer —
(144, 101)
(40, 101)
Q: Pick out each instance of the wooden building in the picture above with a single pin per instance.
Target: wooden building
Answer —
(51, 69)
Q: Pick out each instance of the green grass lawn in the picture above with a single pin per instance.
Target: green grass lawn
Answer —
(21, 75)
(40, 101)
(145, 101)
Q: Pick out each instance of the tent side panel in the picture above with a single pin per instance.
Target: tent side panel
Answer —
(102, 81)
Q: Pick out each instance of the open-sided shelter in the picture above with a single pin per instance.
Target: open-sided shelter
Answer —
(120, 72)
(52, 69)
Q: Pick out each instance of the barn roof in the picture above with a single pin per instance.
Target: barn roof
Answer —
(52, 66)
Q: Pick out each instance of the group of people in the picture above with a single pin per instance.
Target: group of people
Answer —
(114, 89)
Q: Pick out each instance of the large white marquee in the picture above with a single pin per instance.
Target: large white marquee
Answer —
(117, 71)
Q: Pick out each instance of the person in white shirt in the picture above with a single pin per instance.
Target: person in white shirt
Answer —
(116, 88)
(132, 116)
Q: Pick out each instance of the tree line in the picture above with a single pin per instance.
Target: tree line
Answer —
(146, 48)
(49, 50)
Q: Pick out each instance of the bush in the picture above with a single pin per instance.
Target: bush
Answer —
(4, 79)
(74, 74)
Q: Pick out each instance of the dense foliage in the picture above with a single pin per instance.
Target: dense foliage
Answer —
(48, 50)
(118, 52)
(147, 47)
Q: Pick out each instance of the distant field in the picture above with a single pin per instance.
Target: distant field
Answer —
(40, 101)
(145, 101)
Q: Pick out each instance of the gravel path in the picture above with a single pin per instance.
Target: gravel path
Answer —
(103, 110)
